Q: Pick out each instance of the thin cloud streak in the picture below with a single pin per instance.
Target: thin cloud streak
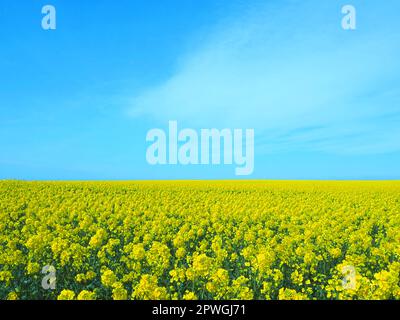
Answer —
(281, 74)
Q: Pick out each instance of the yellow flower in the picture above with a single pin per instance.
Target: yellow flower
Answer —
(290, 294)
(12, 296)
(189, 296)
(138, 252)
(108, 278)
(86, 295)
(32, 268)
(97, 240)
(5, 276)
(66, 295)
(180, 253)
(201, 264)
(148, 289)
(177, 275)
(119, 292)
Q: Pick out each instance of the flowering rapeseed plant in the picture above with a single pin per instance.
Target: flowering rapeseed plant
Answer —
(201, 240)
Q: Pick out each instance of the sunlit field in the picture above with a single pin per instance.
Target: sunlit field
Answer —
(200, 240)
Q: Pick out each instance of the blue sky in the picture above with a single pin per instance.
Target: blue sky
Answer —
(77, 102)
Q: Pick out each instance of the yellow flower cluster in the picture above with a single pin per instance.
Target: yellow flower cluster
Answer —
(200, 240)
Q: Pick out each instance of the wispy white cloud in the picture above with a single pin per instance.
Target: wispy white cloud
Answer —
(284, 71)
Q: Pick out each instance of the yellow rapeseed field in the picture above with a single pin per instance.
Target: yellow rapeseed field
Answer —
(200, 240)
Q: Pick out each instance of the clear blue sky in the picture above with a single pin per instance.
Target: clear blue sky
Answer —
(77, 102)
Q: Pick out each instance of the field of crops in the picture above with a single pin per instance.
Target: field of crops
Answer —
(200, 240)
